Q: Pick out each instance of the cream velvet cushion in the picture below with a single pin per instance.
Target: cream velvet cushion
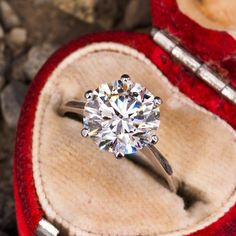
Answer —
(85, 191)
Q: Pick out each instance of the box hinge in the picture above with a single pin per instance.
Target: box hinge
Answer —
(200, 69)
(45, 228)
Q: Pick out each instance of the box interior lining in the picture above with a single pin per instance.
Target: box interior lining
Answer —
(85, 191)
(211, 14)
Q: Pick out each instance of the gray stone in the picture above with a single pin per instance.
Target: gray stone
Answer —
(11, 100)
(137, 14)
(2, 47)
(17, 71)
(2, 82)
(17, 38)
(2, 59)
(37, 56)
(2, 34)
(103, 12)
(8, 15)
(3, 157)
(3, 234)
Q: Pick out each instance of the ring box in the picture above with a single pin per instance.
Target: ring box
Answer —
(63, 182)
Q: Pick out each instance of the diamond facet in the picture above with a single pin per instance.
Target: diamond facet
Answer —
(121, 117)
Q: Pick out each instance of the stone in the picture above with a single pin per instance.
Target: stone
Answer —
(2, 59)
(121, 117)
(36, 57)
(2, 33)
(17, 38)
(7, 214)
(3, 233)
(11, 100)
(8, 15)
(137, 14)
(2, 82)
(103, 12)
(3, 157)
(17, 71)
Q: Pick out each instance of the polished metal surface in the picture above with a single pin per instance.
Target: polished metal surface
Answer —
(163, 40)
(228, 92)
(209, 77)
(72, 106)
(45, 228)
(200, 69)
(159, 162)
(187, 59)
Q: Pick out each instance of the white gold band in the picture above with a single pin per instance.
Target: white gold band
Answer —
(159, 162)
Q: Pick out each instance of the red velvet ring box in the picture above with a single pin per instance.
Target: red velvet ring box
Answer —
(63, 182)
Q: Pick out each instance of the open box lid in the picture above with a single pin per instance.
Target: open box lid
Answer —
(213, 45)
(216, 47)
(199, 45)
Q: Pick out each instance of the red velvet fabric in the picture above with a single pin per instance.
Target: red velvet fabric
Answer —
(27, 205)
(216, 48)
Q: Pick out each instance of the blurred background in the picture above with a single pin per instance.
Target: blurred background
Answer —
(31, 30)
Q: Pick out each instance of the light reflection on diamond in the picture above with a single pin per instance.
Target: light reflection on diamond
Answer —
(122, 117)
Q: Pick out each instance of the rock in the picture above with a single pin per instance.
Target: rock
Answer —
(2, 47)
(2, 82)
(8, 15)
(102, 12)
(17, 71)
(2, 34)
(11, 100)
(3, 234)
(17, 38)
(37, 56)
(2, 64)
(7, 214)
(3, 157)
(137, 13)
(2, 59)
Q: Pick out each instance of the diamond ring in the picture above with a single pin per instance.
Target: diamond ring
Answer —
(122, 118)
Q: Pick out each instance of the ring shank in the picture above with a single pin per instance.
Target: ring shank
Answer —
(161, 165)
(72, 106)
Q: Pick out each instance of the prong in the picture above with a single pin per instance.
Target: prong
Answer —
(154, 139)
(125, 78)
(157, 101)
(125, 82)
(84, 132)
(153, 31)
(88, 94)
(119, 155)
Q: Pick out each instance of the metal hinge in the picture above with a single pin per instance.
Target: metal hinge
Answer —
(199, 68)
(45, 228)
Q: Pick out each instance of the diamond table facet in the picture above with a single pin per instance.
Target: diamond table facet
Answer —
(121, 117)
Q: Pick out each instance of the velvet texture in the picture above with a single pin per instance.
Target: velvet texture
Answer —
(215, 48)
(28, 208)
(218, 49)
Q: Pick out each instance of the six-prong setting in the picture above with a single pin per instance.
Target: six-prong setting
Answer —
(84, 132)
(88, 95)
(121, 117)
(154, 139)
(157, 101)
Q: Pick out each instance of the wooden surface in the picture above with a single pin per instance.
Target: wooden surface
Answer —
(86, 191)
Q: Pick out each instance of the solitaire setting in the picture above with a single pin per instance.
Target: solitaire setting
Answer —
(121, 117)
